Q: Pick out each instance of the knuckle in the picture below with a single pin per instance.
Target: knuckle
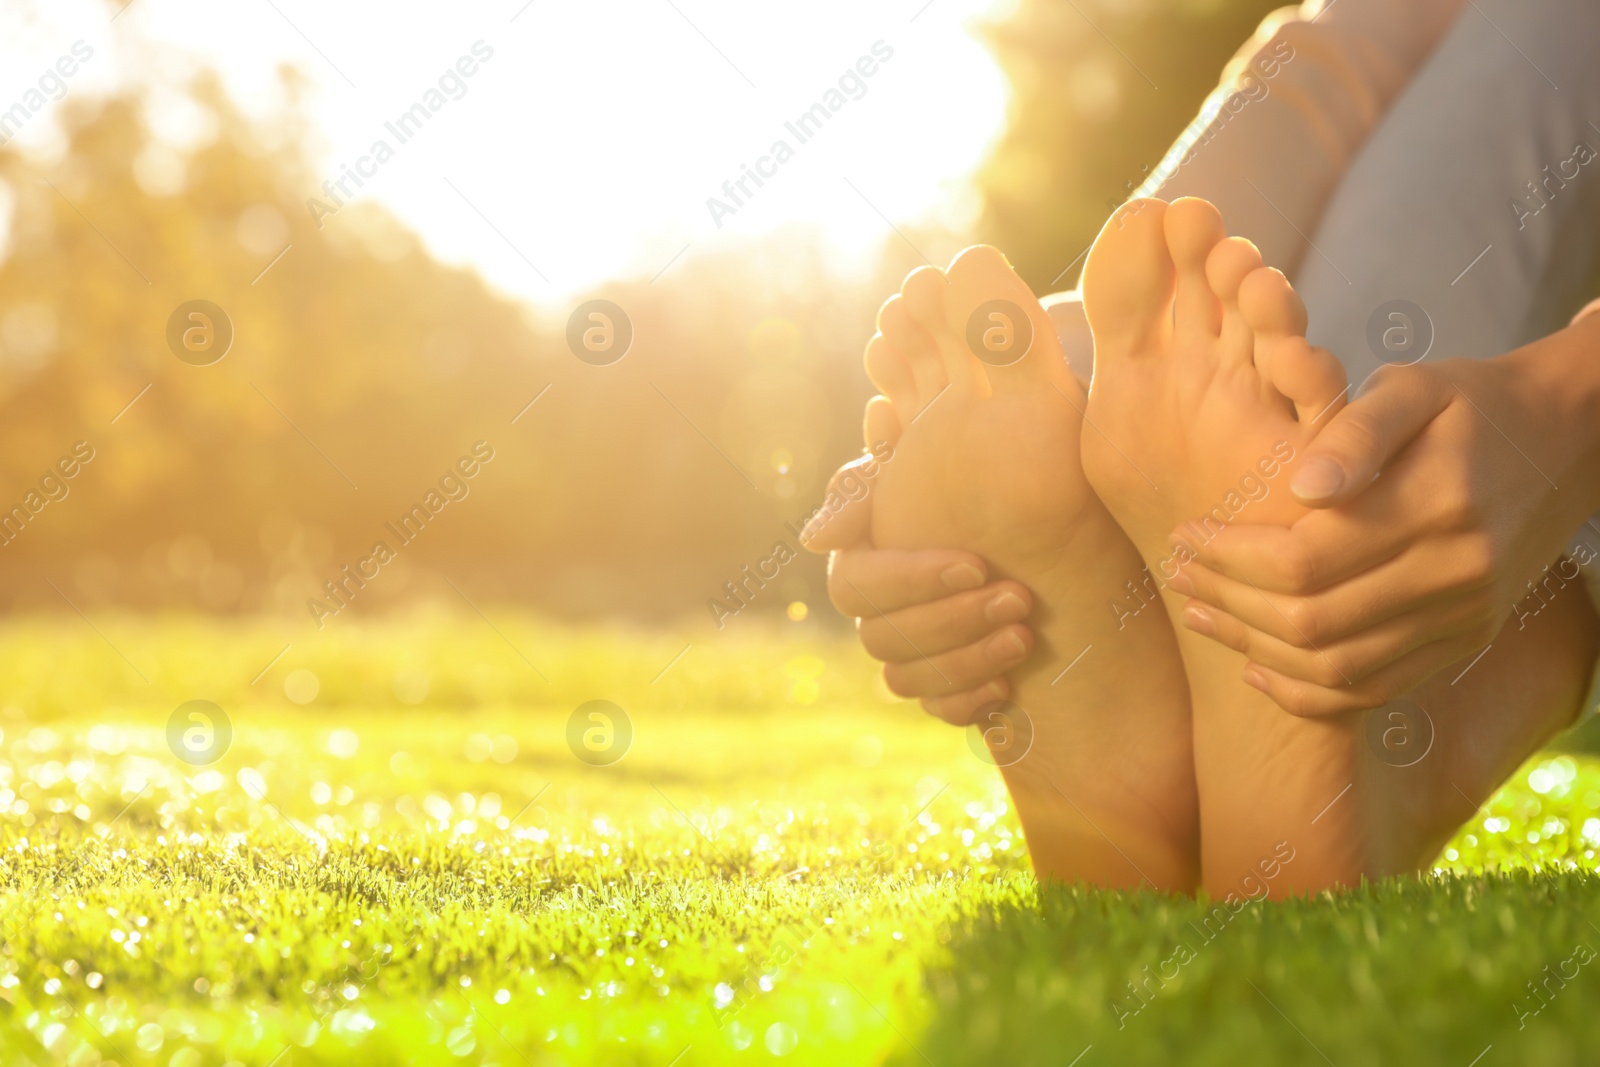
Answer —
(1376, 698)
(1361, 433)
(1236, 636)
(1297, 568)
(875, 639)
(1302, 617)
(960, 669)
(1360, 700)
(942, 708)
(1458, 508)
(1330, 673)
(899, 681)
(1403, 376)
(840, 595)
(975, 663)
(1381, 378)
(1377, 692)
(1298, 701)
(1251, 642)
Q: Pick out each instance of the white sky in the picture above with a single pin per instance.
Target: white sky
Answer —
(594, 135)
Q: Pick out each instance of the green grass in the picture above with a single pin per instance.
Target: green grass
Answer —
(786, 866)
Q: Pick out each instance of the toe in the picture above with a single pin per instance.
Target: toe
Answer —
(890, 372)
(923, 291)
(1229, 262)
(1193, 228)
(881, 423)
(1311, 378)
(1128, 283)
(1272, 310)
(926, 291)
(1271, 307)
(1008, 338)
(899, 324)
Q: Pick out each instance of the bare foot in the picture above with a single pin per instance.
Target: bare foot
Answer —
(986, 458)
(1192, 390)
(1205, 393)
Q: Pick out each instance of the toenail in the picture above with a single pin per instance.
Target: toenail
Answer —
(962, 576)
(1007, 607)
(1199, 620)
(1317, 480)
(1006, 646)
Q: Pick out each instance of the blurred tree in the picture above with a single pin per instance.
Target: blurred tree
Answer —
(361, 369)
(1099, 89)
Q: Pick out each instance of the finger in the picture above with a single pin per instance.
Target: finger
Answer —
(845, 518)
(1307, 700)
(1389, 410)
(1340, 663)
(941, 625)
(962, 709)
(963, 668)
(866, 582)
(1413, 582)
(1319, 550)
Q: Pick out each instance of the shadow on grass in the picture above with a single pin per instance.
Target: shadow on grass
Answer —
(1482, 970)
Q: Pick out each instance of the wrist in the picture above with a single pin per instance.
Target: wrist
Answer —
(1563, 373)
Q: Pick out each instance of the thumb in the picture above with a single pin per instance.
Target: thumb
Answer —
(1389, 411)
(845, 518)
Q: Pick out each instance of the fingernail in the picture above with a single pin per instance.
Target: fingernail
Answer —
(1317, 480)
(962, 576)
(1007, 607)
(810, 530)
(1182, 582)
(1255, 679)
(1199, 620)
(1006, 646)
(995, 690)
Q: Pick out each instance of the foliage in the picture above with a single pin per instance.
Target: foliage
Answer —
(361, 370)
(1100, 89)
(360, 361)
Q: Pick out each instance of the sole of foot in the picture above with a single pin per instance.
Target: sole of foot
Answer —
(1205, 393)
(985, 421)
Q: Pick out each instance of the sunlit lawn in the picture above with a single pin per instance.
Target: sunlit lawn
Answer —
(414, 867)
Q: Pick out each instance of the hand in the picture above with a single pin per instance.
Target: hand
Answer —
(942, 632)
(1488, 467)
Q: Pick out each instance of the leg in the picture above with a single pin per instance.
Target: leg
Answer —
(1472, 199)
(1289, 114)
(1478, 200)
(1204, 380)
(986, 458)
(1293, 108)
